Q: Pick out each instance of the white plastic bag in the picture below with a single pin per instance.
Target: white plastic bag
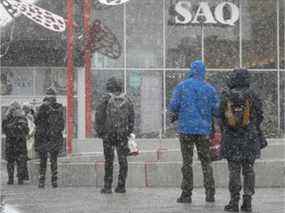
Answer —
(133, 147)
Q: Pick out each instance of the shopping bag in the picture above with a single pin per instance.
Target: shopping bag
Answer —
(133, 147)
(215, 145)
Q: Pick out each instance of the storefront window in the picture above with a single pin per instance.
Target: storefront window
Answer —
(259, 27)
(145, 89)
(183, 42)
(221, 42)
(51, 77)
(144, 25)
(17, 81)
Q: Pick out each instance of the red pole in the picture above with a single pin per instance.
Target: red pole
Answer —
(69, 79)
(88, 73)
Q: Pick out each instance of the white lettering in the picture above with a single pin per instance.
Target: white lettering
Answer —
(204, 11)
(219, 13)
(183, 9)
(113, 2)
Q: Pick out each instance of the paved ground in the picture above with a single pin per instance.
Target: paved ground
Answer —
(29, 199)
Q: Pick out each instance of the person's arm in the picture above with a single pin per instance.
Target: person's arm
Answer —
(131, 117)
(100, 116)
(174, 105)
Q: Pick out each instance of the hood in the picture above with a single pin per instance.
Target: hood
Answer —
(114, 85)
(14, 106)
(197, 70)
(239, 78)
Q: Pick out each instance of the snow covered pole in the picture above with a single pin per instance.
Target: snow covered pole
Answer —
(69, 79)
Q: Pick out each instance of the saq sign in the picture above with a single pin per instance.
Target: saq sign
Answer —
(186, 15)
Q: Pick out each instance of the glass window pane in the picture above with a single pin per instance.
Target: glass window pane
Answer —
(259, 27)
(17, 81)
(183, 42)
(51, 77)
(145, 89)
(144, 33)
(113, 19)
(221, 42)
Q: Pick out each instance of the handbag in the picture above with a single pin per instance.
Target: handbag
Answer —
(215, 145)
(132, 145)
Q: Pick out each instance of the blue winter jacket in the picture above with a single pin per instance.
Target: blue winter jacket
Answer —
(195, 102)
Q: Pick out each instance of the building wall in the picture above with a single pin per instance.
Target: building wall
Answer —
(155, 56)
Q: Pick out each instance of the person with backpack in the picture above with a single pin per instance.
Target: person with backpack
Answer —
(241, 116)
(114, 122)
(15, 127)
(194, 102)
(49, 123)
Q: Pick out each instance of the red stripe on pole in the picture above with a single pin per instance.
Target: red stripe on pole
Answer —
(88, 72)
(69, 79)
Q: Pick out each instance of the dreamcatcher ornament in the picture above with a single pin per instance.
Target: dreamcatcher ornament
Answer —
(100, 39)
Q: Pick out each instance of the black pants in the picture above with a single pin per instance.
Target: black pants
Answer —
(235, 168)
(121, 145)
(16, 152)
(53, 164)
(187, 143)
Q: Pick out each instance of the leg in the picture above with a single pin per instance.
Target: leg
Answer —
(21, 166)
(109, 160)
(187, 145)
(10, 167)
(249, 184)
(53, 168)
(234, 186)
(203, 148)
(43, 166)
(122, 152)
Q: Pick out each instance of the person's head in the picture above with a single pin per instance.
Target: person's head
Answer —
(14, 106)
(27, 108)
(50, 95)
(197, 70)
(239, 78)
(114, 85)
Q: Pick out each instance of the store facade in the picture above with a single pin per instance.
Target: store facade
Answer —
(157, 41)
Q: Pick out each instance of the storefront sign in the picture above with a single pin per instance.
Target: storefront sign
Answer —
(113, 2)
(186, 15)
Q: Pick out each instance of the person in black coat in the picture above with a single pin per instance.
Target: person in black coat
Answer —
(114, 127)
(15, 127)
(241, 142)
(49, 123)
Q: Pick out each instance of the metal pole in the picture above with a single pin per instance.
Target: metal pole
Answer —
(69, 79)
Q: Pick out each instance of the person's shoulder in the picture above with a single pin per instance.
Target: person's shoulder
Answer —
(210, 87)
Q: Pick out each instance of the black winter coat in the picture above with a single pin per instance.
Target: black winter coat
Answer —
(46, 139)
(101, 125)
(16, 129)
(240, 144)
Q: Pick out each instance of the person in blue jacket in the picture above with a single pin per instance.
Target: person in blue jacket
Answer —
(194, 102)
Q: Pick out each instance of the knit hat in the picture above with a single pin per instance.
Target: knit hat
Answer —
(50, 91)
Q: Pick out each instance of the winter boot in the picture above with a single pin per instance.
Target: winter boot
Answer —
(232, 206)
(107, 188)
(10, 181)
(54, 182)
(42, 181)
(185, 197)
(246, 205)
(210, 196)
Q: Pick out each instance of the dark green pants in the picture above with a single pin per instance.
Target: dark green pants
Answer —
(121, 145)
(202, 144)
(235, 168)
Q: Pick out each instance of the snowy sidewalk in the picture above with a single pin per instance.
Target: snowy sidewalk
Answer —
(29, 199)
